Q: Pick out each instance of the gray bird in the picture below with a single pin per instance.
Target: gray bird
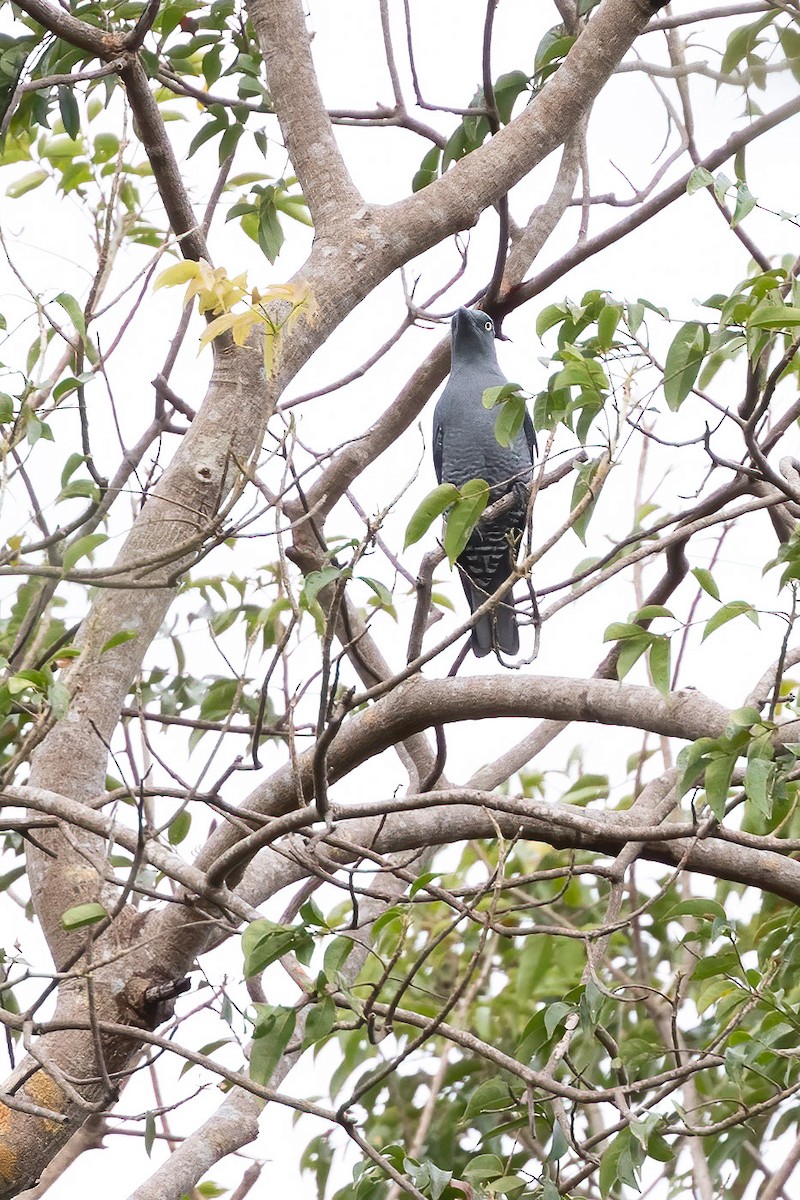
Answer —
(465, 447)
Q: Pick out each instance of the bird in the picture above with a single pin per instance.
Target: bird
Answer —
(465, 447)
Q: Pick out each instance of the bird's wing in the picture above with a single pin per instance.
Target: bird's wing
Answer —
(438, 449)
(530, 434)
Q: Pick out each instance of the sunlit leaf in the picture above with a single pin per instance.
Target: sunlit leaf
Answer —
(178, 273)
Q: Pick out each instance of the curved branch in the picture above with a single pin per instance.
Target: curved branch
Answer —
(562, 827)
(307, 131)
(421, 704)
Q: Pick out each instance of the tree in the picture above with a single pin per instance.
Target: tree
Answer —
(543, 976)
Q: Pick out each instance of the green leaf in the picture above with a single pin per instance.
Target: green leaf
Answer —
(428, 170)
(684, 359)
(455, 148)
(212, 65)
(584, 791)
(438, 1178)
(315, 581)
(706, 581)
(320, 1021)
(651, 611)
(506, 90)
(722, 185)
(5, 882)
(699, 178)
(209, 1048)
(58, 698)
(736, 608)
(483, 1167)
(607, 324)
(635, 316)
(106, 147)
(270, 234)
(209, 130)
(707, 908)
(23, 680)
(630, 653)
(26, 184)
(776, 316)
(426, 513)
(73, 311)
(726, 963)
(382, 598)
(759, 777)
(336, 955)
(83, 914)
(660, 663)
(745, 203)
(68, 107)
(509, 420)
(295, 207)
(554, 1014)
(552, 315)
(718, 781)
(492, 1096)
(263, 942)
(552, 49)
(81, 548)
(149, 1132)
(581, 488)
(494, 395)
(742, 718)
(619, 631)
(124, 635)
(209, 1190)
(610, 1164)
(85, 489)
(179, 828)
(790, 42)
(692, 761)
(422, 881)
(508, 1185)
(274, 1027)
(464, 516)
(70, 467)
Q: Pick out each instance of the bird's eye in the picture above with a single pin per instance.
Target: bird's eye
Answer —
(488, 326)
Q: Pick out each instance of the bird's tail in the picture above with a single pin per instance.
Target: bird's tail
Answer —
(496, 630)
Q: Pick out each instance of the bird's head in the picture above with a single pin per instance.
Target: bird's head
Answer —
(472, 334)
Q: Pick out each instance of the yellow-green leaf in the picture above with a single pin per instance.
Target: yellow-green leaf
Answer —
(178, 273)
